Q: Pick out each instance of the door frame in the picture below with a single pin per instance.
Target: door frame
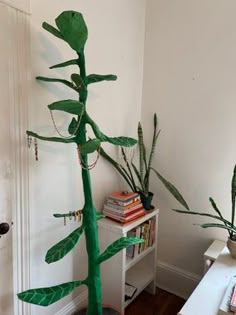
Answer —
(19, 64)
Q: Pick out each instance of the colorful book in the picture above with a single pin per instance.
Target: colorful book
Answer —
(123, 213)
(131, 217)
(123, 198)
(120, 207)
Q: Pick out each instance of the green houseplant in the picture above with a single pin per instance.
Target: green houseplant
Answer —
(138, 177)
(224, 223)
(72, 29)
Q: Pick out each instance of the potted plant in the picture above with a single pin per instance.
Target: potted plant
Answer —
(223, 223)
(138, 178)
(72, 29)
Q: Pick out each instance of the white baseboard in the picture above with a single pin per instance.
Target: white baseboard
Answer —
(78, 303)
(176, 280)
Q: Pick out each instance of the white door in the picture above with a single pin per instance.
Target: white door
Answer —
(14, 59)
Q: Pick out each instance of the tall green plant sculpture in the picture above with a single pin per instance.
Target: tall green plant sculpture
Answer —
(72, 29)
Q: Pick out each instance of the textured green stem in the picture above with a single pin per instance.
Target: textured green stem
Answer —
(90, 219)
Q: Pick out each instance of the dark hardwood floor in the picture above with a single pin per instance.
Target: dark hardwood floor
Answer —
(162, 303)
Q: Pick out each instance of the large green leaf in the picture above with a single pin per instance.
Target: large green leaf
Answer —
(65, 82)
(118, 245)
(48, 296)
(62, 248)
(68, 106)
(172, 189)
(94, 78)
(76, 78)
(52, 139)
(51, 29)
(123, 141)
(73, 29)
(90, 146)
(65, 64)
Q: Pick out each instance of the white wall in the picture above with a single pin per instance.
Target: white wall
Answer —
(190, 80)
(115, 45)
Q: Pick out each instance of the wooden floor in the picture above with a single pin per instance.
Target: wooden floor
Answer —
(163, 303)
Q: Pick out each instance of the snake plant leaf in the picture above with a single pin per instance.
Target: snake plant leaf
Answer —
(94, 78)
(65, 82)
(119, 168)
(215, 225)
(143, 190)
(141, 153)
(214, 206)
(76, 78)
(48, 296)
(65, 64)
(51, 29)
(90, 146)
(72, 26)
(172, 189)
(52, 139)
(62, 248)
(203, 214)
(69, 106)
(233, 194)
(118, 245)
(122, 141)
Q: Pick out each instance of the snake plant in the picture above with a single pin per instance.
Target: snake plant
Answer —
(138, 177)
(223, 224)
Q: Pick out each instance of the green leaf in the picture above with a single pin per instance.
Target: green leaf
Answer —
(172, 189)
(119, 168)
(62, 248)
(143, 190)
(100, 215)
(215, 225)
(141, 155)
(76, 78)
(48, 296)
(204, 215)
(233, 194)
(65, 64)
(52, 30)
(73, 29)
(68, 106)
(118, 245)
(90, 146)
(65, 82)
(94, 78)
(122, 141)
(52, 139)
(72, 126)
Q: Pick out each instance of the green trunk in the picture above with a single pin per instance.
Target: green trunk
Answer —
(90, 220)
(92, 246)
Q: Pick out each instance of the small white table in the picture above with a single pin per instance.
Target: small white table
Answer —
(206, 298)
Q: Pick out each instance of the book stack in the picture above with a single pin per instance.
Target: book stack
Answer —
(123, 206)
(227, 305)
(146, 231)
